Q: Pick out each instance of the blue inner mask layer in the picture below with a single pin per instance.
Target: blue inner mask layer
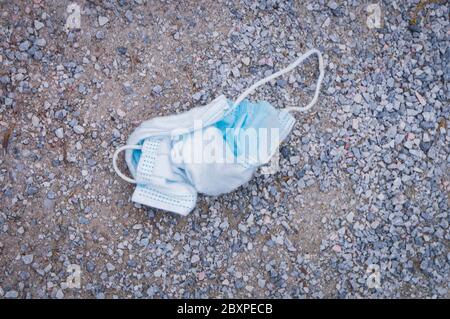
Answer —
(246, 125)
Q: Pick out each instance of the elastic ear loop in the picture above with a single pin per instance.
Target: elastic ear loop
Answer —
(115, 156)
(289, 68)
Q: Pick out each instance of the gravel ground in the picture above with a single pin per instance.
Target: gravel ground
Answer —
(363, 188)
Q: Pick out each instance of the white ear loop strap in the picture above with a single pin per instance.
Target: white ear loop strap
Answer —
(289, 68)
(115, 156)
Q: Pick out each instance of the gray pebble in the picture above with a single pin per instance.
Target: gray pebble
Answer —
(246, 60)
(195, 259)
(78, 129)
(82, 89)
(40, 42)
(90, 266)
(25, 45)
(59, 133)
(27, 259)
(157, 89)
(51, 195)
(110, 267)
(38, 25)
(100, 35)
(197, 96)
(122, 50)
(129, 15)
(31, 190)
(83, 220)
(102, 20)
(59, 294)
(11, 294)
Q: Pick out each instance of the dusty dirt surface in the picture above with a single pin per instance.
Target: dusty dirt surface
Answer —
(336, 208)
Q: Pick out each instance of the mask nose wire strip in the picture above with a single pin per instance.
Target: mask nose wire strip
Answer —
(115, 156)
(289, 68)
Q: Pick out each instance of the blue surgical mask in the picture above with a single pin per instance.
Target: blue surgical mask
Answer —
(211, 149)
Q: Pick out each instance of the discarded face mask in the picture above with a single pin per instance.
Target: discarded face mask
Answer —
(211, 149)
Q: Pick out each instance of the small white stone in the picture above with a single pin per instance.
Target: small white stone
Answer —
(428, 116)
(38, 25)
(59, 132)
(12, 294)
(195, 259)
(350, 217)
(397, 182)
(35, 121)
(27, 259)
(295, 160)
(358, 98)
(78, 129)
(246, 60)
(120, 113)
(158, 273)
(41, 42)
(110, 267)
(102, 20)
(326, 22)
(59, 294)
(420, 98)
